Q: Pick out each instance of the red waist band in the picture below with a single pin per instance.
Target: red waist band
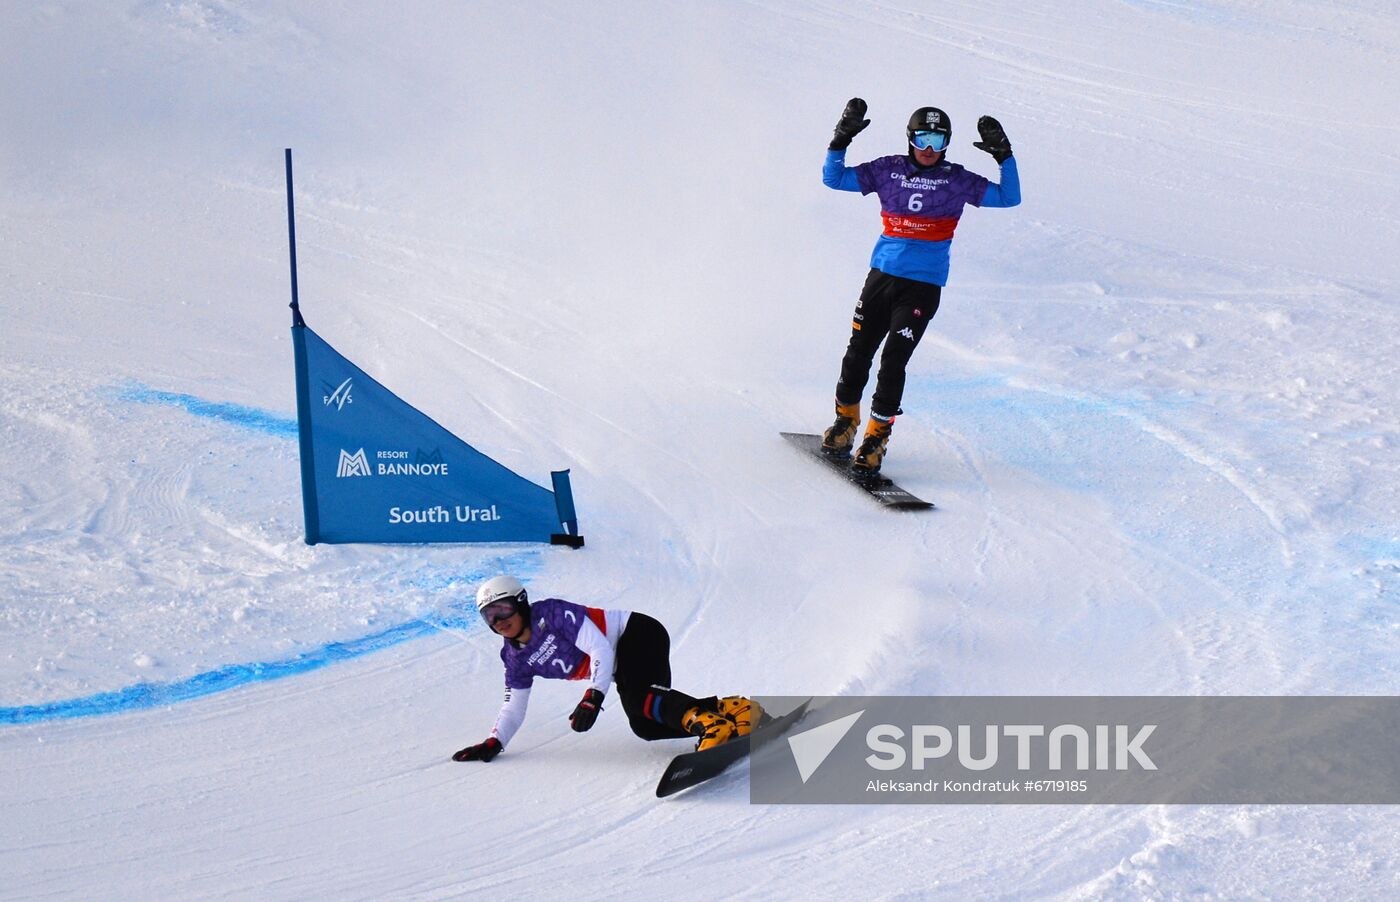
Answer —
(900, 225)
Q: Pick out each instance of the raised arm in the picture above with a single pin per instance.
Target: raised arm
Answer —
(852, 122)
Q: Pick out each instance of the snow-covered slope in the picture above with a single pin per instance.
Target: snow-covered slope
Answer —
(1155, 409)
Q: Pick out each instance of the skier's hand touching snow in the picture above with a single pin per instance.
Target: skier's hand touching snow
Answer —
(483, 751)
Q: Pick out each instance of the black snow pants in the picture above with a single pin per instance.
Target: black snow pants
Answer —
(642, 671)
(893, 310)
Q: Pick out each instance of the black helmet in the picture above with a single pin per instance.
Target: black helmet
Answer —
(930, 119)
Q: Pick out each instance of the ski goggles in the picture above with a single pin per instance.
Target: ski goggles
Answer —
(497, 611)
(929, 140)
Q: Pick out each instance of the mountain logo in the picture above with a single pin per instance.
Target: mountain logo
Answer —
(352, 464)
(340, 396)
(812, 747)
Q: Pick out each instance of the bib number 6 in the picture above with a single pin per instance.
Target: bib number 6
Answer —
(916, 203)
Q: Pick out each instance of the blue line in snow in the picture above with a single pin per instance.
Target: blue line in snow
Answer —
(233, 414)
(143, 696)
(155, 695)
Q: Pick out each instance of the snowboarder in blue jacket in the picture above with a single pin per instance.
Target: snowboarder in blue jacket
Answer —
(922, 196)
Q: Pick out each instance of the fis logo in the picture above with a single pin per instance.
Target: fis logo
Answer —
(352, 464)
(906, 332)
(339, 397)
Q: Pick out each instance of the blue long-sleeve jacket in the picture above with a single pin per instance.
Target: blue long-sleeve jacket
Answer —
(920, 207)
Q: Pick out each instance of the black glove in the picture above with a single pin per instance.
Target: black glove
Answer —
(483, 752)
(852, 122)
(994, 139)
(587, 711)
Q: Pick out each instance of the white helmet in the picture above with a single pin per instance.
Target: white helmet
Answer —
(503, 588)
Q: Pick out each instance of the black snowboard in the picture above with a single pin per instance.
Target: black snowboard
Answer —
(881, 488)
(694, 768)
